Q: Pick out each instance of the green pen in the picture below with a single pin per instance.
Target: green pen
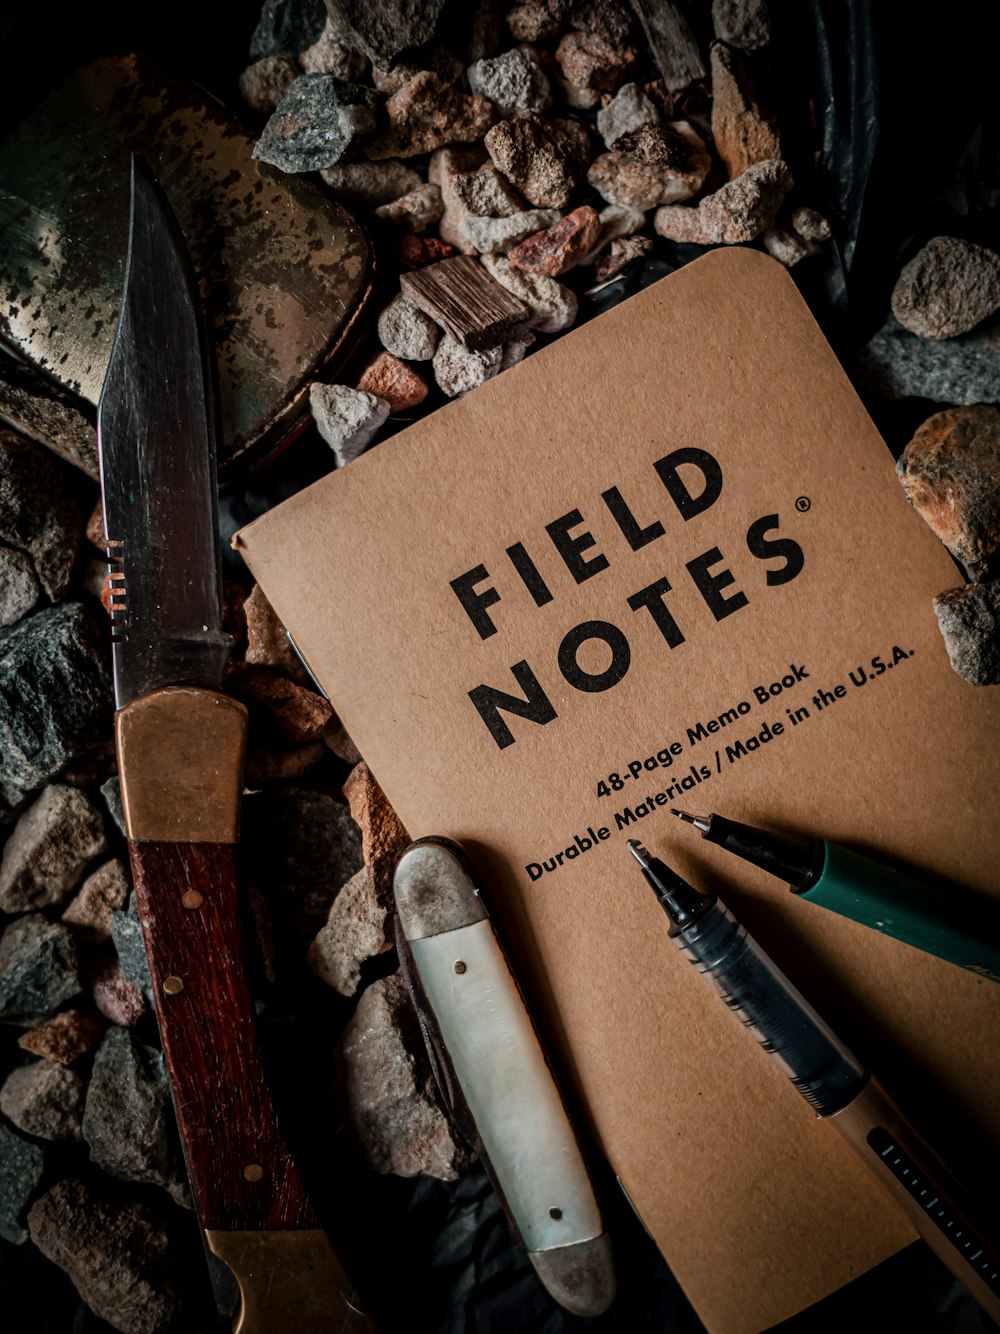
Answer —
(952, 925)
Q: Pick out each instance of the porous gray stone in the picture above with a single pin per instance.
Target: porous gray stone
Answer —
(384, 30)
(553, 306)
(329, 55)
(487, 194)
(969, 620)
(111, 791)
(286, 27)
(103, 892)
(457, 369)
(263, 84)
(516, 350)
(128, 1121)
(589, 60)
(126, 932)
(745, 207)
(41, 510)
(315, 123)
(533, 22)
(742, 23)
(120, 1256)
(544, 159)
(627, 111)
(19, 590)
(655, 165)
(948, 288)
(370, 183)
(21, 1166)
(38, 967)
(962, 370)
(44, 1099)
(357, 929)
(425, 114)
(513, 82)
(796, 237)
(347, 419)
(389, 1089)
(56, 699)
(51, 844)
(495, 236)
(407, 332)
(416, 211)
(447, 169)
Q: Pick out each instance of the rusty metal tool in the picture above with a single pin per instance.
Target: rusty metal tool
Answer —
(180, 750)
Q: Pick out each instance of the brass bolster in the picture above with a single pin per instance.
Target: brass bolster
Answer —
(180, 760)
(289, 1281)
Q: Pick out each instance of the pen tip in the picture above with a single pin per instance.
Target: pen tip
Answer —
(700, 822)
(638, 852)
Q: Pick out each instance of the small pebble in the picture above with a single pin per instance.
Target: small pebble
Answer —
(267, 643)
(358, 928)
(947, 288)
(371, 183)
(623, 251)
(347, 419)
(560, 247)
(457, 369)
(103, 892)
(950, 472)
(513, 82)
(329, 55)
(495, 236)
(416, 211)
(553, 306)
(118, 999)
(51, 844)
(287, 27)
(426, 114)
(629, 109)
(21, 1167)
(280, 764)
(64, 1038)
(544, 159)
(316, 122)
(393, 382)
(616, 220)
(747, 206)
(660, 165)
(407, 332)
(590, 61)
(288, 710)
(742, 23)
(416, 252)
(965, 370)
(485, 193)
(532, 23)
(385, 30)
(19, 590)
(743, 130)
(515, 351)
(38, 967)
(111, 791)
(969, 621)
(263, 84)
(44, 1099)
(126, 932)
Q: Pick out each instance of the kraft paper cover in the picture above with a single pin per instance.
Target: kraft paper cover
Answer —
(759, 1209)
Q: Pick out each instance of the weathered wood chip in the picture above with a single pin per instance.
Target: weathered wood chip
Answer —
(461, 296)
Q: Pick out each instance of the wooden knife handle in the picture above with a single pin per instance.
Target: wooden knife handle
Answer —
(241, 1172)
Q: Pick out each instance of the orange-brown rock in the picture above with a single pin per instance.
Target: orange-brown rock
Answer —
(267, 643)
(416, 252)
(394, 381)
(559, 247)
(65, 1038)
(383, 837)
(744, 131)
(296, 714)
(281, 764)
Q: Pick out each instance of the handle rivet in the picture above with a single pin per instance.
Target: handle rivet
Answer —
(192, 899)
(555, 1213)
(459, 966)
(172, 985)
(253, 1172)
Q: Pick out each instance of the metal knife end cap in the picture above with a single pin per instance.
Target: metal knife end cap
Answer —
(581, 1277)
(434, 889)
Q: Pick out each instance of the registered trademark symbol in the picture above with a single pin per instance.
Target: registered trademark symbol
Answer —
(803, 504)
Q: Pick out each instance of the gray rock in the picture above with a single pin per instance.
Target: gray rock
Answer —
(407, 332)
(121, 1257)
(651, 166)
(41, 510)
(287, 27)
(588, 60)
(55, 696)
(495, 236)
(44, 1099)
(111, 791)
(128, 1121)
(622, 252)
(383, 31)
(51, 844)
(315, 123)
(947, 288)
(126, 932)
(437, 58)
(487, 194)
(19, 590)
(21, 1166)
(964, 370)
(389, 1089)
(678, 223)
(38, 967)
(329, 55)
(457, 369)
(357, 929)
(45, 413)
(969, 620)
(516, 349)
(544, 159)
(370, 183)
(101, 894)
(447, 169)
(553, 306)
(742, 23)
(264, 83)
(513, 82)
(627, 110)
(300, 846)
(796, 237)
(416, 211)
(745, 207)
(347, 419)
(810, 225)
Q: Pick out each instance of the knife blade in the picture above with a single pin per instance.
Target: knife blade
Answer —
(180, 745)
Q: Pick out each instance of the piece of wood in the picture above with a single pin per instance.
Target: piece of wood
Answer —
(241, 1171)
(461, 296)
(673, 43)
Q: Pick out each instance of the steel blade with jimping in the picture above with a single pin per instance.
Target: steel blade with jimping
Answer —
(180, 748)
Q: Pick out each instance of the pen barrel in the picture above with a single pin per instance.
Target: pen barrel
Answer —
(806, 1050)
(945, 922)
(959, 1232)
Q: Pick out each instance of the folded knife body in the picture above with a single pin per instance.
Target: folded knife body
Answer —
(180, 747)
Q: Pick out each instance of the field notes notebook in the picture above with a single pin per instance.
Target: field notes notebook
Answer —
(616, 578)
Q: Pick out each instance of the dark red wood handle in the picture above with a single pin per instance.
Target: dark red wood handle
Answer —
(242, 1174)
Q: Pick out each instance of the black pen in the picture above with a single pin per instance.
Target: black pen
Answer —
(958, 927)
(829, 1076)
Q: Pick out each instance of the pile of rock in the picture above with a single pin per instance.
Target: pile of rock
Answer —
(539, 142)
